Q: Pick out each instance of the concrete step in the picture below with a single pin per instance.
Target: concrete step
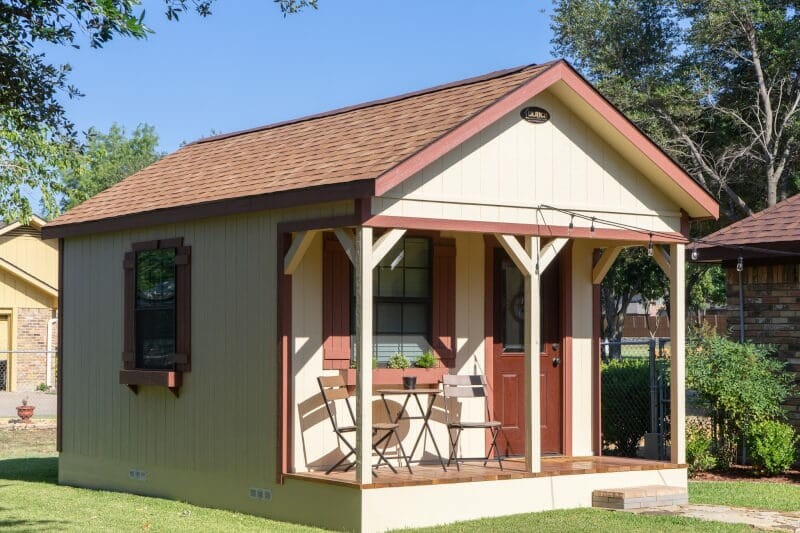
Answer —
(638, 497)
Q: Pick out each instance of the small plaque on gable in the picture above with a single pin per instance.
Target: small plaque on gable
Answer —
(535, 115)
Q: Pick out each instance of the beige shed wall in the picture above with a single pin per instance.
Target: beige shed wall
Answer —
(503, 173)
(218, 439)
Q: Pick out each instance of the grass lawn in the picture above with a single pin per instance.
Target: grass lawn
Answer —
(31, 501)
(775, 496)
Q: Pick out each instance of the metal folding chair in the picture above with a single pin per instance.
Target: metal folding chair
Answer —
(469, 387)
(334, 388)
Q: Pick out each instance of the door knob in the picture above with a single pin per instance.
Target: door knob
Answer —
(556, 361)
(556, 346)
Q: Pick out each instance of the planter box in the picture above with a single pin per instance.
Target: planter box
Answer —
(159, 378)
(394, 376)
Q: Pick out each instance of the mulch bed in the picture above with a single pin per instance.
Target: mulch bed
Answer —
(746, 473)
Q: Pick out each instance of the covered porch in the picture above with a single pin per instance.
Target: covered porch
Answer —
(548, 431)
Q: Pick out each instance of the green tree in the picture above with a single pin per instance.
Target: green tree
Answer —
(37, 140)
(108, 158)
(716, 82)
(634, 273)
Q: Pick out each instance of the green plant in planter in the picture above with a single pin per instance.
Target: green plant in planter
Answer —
(426, 360)
(398, 361)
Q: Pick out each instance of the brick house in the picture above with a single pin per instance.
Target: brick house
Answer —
(770, 281)
(28, 304)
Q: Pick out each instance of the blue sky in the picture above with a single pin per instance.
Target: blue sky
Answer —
(246, 65)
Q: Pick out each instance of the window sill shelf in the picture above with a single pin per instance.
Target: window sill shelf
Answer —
(159, 378)
(394, 376)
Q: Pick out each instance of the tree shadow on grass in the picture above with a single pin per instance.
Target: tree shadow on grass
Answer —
(35, 469)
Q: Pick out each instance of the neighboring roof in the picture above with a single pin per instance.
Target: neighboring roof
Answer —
(774, 228)
(354, 152)
(35, 222)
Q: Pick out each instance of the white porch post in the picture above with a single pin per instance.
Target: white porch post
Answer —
(363, 328)
(533, 424)
(677, 332)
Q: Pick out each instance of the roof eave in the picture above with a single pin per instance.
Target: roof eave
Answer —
(336, 192)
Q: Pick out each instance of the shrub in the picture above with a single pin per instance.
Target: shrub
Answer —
(398, 360)
(625, 404)
(739, 385)
(698, 448)
(772, 447)
(426, 360)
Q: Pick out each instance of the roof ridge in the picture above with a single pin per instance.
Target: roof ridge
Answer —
(371, 103)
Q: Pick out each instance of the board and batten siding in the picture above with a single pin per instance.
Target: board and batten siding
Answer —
(218, 439)
(506, 171)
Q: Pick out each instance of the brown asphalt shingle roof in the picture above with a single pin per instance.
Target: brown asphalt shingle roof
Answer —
(361, 142)
(777, 224)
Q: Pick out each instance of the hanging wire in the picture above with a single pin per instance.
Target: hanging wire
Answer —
(666, 235)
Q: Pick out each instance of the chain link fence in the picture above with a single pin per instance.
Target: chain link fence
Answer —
(635, 398)
(27, 370)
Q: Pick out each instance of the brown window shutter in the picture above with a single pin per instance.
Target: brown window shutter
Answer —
(129, 341)
(183, 308)
(335, 305)
(444, 301)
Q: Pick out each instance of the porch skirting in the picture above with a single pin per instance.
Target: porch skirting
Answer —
(431, 497)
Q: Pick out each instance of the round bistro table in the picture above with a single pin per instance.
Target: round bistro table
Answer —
(425, 414)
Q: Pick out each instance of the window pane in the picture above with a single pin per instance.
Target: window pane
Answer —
(513, 308)
(415, 318)
(155, 309)
(417, 252)
(394, 259)
(155, 338)
(155, 278)
(390, 282)
(414, 346)
(388, 317)
(417, 283)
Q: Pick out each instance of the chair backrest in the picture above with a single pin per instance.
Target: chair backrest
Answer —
(464, 387)
(334, 388)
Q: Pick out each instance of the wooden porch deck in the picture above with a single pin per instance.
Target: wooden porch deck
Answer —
(513, 468)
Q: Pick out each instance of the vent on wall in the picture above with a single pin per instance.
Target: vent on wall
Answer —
(22, 231)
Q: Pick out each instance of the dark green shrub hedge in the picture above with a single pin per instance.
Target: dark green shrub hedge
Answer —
(772, 447)
(625, 404)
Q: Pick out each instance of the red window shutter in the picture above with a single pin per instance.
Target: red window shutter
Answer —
(444, 301)
(183, 308)
(335, 305)
(129, 341)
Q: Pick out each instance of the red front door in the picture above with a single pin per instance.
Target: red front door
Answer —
(508, 396)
